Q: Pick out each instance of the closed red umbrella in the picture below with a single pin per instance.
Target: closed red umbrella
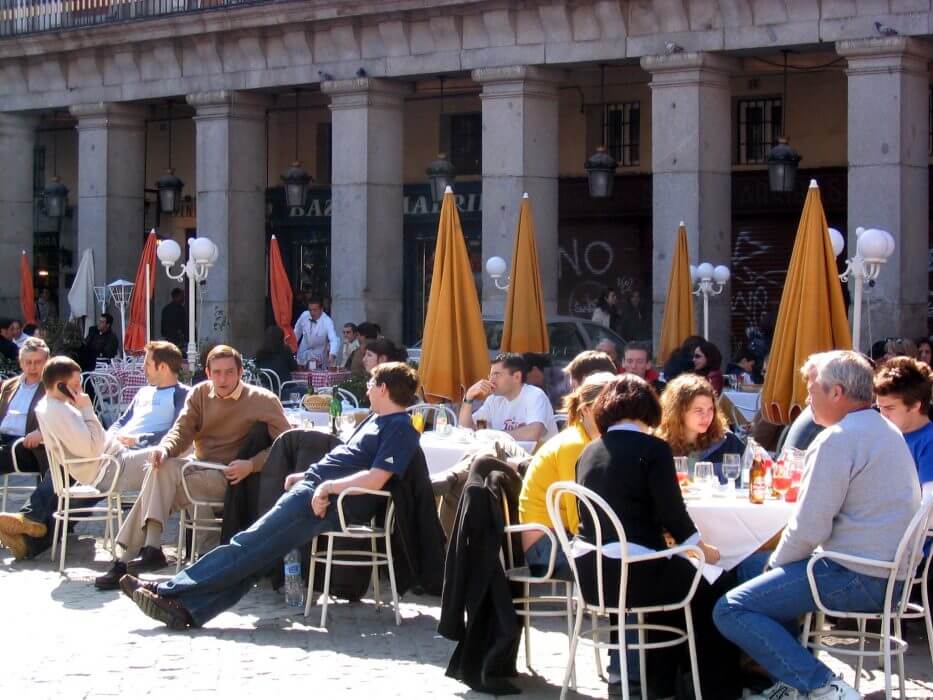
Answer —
(27, 294)
(136, 335)
(280, 292)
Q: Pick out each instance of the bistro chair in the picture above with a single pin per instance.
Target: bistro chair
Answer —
(292, 391)
(356, 557)
(268, 379)
(6, 488)
(890, 638)
(594, 504)
(107, 393)
(198, 516)
(346, 396)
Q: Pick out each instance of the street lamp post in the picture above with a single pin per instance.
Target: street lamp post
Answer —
(709, 281)
(120, 291)
(202, 254)
(495, 268)
(873, 248)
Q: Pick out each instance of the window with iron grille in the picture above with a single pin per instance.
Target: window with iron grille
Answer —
(758, 126)
(38, 170)
(623, 132)
(930, 119)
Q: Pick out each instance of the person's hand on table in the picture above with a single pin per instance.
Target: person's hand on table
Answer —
(33, 439)
(293, 479)
(709, 551)
(480, 390)
(238, 470)
(128, 440)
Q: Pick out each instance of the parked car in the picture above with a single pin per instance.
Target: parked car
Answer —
(568, 336)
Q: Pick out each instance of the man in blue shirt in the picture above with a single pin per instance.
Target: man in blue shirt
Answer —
(902, 391)
(381, 448)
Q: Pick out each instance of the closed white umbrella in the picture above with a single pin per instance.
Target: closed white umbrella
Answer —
(81, 299)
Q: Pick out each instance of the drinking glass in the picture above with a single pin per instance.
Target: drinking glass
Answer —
(703, 476)
(347, 422)
(417, 420)
(731, 469)
(781, 472)
(683, 472)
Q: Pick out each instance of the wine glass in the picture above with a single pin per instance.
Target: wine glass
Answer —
(683, 473)
(703, 476)
(731, 469)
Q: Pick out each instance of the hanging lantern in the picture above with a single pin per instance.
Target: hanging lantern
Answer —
(56, 198)
(441, 173)
(296, 180)
(600, 173)
(169, 186)
(782, 167)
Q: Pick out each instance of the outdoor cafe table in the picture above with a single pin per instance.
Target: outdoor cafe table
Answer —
(736, 526)
(746, 402)
(319, 378)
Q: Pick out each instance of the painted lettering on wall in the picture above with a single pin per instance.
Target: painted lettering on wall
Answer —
(412, 205)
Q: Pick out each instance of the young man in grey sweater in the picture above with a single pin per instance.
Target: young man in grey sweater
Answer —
(859, 493)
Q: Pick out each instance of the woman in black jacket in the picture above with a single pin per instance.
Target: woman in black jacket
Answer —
(634, 472)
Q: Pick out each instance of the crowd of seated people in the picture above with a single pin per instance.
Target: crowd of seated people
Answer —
(862, 484)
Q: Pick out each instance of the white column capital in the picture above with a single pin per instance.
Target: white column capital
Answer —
(690, 67)
(101, 115)
(16, 124)
(510, 81)
(885, 55)
(365, 92)
(214, 104)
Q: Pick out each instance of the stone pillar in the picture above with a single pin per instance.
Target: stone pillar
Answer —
(888, 87)
(366, 240)
(230, 130)
(691, 174)
(520, 154)
(111, 180)
(17, 141)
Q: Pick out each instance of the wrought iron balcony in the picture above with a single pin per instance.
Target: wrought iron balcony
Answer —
(22, 17)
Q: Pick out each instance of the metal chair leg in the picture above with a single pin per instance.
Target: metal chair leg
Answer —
(327, 569)
(313, 563)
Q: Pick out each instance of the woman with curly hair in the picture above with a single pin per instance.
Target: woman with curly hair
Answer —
(693, 425)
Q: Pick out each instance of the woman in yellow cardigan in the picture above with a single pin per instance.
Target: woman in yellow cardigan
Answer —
(556, 460)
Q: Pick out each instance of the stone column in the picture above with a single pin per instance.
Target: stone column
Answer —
(888, 112)
(17, 141)
(691, 174)
(366, 210)
(520, 154)
(111, 180)
(230, 134)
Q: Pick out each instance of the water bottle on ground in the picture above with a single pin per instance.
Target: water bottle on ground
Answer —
(294, 590)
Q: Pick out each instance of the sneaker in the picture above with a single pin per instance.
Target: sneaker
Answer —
(15, 543)
(837, 689)
(19, 524)
(780, 691)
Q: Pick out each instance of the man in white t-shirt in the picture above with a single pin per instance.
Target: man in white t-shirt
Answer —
(509, 404)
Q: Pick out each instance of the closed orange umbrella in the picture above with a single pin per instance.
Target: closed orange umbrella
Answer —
(525, 329)
(812, 316)
(454, 353)
(280, 292)
(27, 294)
(136, 334)
(678, 323)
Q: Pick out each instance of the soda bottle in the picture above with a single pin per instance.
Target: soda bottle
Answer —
(294, 590)
(757, 488)
(336, 408)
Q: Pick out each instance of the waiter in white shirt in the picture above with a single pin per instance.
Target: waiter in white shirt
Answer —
(317, 338)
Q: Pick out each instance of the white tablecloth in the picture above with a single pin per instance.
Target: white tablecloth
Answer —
(443, 452)
(747, 402)
(736, 526)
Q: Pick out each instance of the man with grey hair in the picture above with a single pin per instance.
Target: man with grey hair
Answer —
(858, 495)
(18, 398)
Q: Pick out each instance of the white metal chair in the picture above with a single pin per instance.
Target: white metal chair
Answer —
(293, 390)
(112, 508)
(356, 557)
(199, 515)
(108, 395)
(342, 393)
(6, 488)
(527, 605)
(431, 410)
(593, 503)
(909, 552)
(560, 419)
(922, 610)
(269, 379)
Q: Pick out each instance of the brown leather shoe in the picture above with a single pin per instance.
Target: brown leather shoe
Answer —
(111, 580)
(129, 584)
(168, 611)
(149, 559)
(15, 543)
(19, 524)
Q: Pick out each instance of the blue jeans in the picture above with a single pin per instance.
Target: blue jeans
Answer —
(539, 554)
(224, 575)
(758, 616)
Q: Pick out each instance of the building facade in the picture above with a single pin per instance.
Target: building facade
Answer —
(688, 95)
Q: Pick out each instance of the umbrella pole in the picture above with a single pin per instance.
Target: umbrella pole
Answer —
(857, 313)
(147, 303)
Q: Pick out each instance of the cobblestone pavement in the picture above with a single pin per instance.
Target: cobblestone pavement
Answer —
(63, 639)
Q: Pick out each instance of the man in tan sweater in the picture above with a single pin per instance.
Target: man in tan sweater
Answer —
(216, 419)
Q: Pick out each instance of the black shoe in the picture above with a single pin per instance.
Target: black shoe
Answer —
(149, 559)
(168, 611)
(129, 583)
(111, 580)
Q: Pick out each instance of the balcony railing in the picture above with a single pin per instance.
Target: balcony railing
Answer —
(20, 17)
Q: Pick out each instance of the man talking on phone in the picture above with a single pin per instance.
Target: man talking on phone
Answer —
(66, 417)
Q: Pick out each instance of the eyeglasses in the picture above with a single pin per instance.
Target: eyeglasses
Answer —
(698, 356)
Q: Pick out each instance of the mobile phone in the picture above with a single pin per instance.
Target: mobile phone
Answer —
(65, 390)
